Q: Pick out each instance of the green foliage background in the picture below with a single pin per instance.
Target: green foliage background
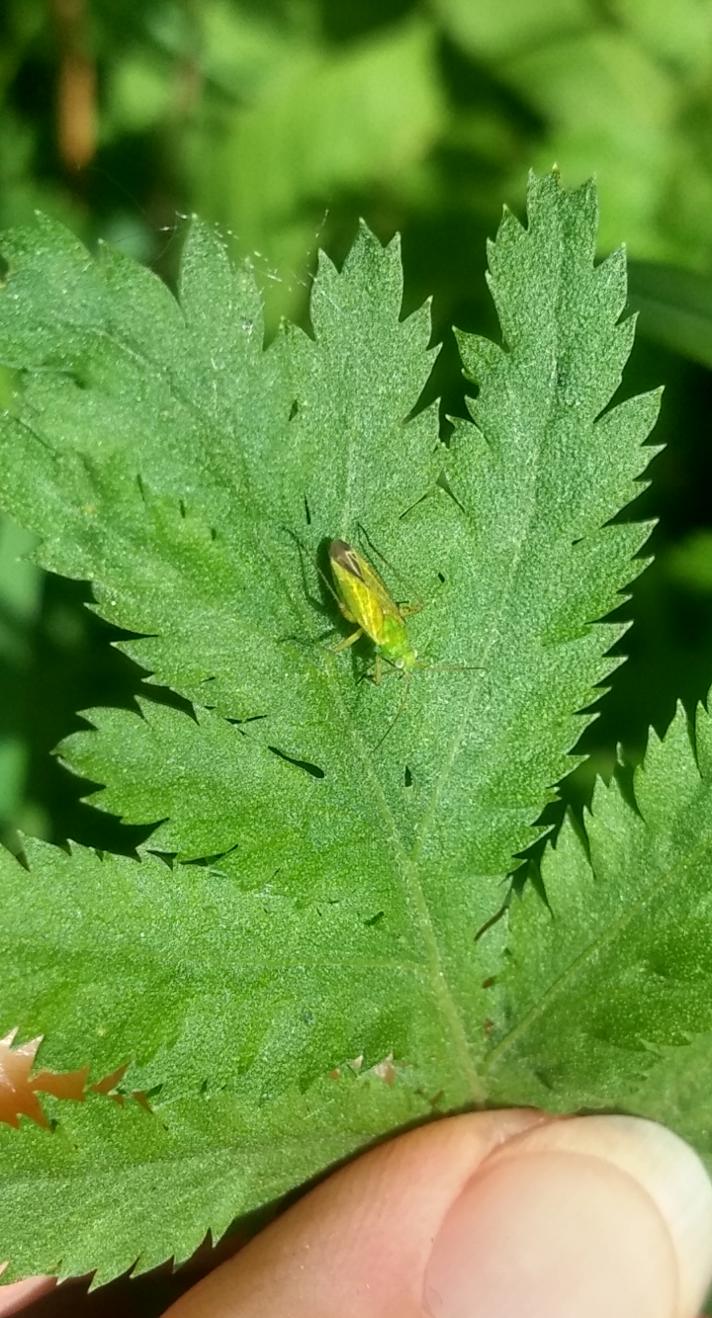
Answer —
(282, 121)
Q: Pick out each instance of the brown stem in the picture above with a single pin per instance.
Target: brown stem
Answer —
(76, 85)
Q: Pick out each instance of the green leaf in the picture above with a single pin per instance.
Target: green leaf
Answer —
(676, 1091)
(551, 468)
(65, 1192)
(684, 43)
(689, 562)
(617, 963)
(20, 593)
(641, 124)
(494, 31)
(352, 837)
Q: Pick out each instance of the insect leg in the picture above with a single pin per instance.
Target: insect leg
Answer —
(347, 641)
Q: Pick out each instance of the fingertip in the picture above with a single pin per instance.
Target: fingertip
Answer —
(588, 1216)
(17, 1295)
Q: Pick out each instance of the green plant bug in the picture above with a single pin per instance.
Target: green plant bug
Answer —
(365, 601)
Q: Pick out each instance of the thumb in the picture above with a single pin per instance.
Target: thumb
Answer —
(495, 1214)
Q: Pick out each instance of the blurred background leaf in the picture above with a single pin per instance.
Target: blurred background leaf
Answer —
(282, 121)
(675, 308)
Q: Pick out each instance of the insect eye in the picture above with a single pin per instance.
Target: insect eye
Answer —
(399, 663)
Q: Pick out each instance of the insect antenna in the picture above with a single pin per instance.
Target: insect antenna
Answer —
(304, 554)
(374, 548)
(450, 668)
(406, 607)
(398, 713)
(427, 668)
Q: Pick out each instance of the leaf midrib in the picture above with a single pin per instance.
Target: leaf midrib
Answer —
(409, 859)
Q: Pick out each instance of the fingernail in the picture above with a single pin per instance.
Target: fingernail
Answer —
(591, 1216)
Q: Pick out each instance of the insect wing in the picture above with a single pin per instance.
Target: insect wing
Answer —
(389, 608)
(364, 596)
(359, 603)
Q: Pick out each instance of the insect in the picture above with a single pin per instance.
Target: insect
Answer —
(365, 601)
